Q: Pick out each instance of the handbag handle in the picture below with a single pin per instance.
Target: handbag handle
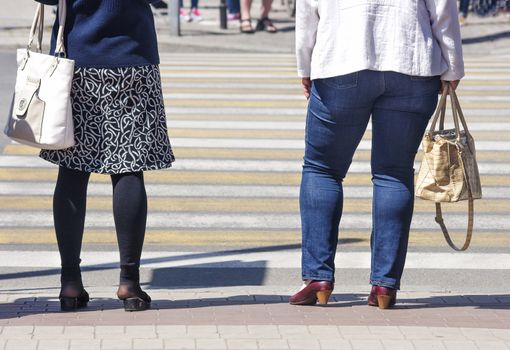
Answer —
(62, 15)
(38, 28)
(457, 116)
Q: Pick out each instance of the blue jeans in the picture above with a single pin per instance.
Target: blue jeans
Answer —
(194, 4)
(464, 7)
(338, 113)
(234, 6)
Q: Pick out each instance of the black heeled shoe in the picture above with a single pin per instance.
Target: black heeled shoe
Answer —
(134, 298)
(73, 296)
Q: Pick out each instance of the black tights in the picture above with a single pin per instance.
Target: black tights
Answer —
(129, 211)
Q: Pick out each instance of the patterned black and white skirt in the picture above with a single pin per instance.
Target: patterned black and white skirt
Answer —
(119, 121)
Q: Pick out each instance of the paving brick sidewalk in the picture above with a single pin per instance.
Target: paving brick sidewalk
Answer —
(256, 318)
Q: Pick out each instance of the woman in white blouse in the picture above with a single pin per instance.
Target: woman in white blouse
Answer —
(384, 59)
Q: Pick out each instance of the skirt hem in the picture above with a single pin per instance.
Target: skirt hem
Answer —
(159, 166)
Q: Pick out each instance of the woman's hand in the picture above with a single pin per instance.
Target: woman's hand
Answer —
(453, 83)
(307, 87)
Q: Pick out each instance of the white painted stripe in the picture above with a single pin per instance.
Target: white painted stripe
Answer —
(262, 221)
(240, 165)
(239, 125)
(281, 259)
(229, 76)
(240, 111)
(297, 144)
(233, 85)
(292, 75)
(482, 98)
(289, 67)
(11, 188)
(235, 97)
(228, 68)
(485, 77)
(289, 97)
(480, 69)
(251, 85)
(484, 87)
(268, 125)
(234, 55)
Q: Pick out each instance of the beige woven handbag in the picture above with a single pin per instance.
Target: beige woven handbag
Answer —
(41, 114)
(449, 172)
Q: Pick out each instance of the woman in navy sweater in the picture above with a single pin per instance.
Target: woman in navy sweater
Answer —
(120, 130)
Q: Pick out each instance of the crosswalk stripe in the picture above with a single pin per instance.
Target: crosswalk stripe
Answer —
(238, 205)
(237, 237)
(238, 153)
(183, 220)
(344, 260)
(174, 176)
(12, 188)
(236, 124)
(244, 165)
(297, 98)
(240, 111)
(254, 134)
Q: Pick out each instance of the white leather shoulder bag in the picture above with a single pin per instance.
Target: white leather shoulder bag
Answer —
(41, 114)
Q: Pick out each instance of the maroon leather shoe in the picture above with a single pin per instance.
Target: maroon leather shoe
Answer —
(382, 297)
(316, 292)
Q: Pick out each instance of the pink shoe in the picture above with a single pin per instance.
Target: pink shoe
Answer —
(195, 15)
(234, 16)
(184, 15)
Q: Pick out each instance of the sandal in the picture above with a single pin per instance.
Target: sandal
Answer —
(246, 26)
(267, 25)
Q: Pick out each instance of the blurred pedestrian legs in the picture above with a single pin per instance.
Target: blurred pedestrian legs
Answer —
(234, 10)
(263, 24)
(193, 14)
(463, 11)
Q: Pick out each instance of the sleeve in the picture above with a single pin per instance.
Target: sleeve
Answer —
(48, 2)
(307, 21)
(446, 30)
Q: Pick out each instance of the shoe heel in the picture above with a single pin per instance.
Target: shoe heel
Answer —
(384, 301)
(323, 296)
(68, 304)
(135, 304)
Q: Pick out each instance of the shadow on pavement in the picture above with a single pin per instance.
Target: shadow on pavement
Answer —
(486, 38)
(161, 273)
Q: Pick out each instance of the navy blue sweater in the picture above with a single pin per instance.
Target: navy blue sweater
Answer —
(109, 33)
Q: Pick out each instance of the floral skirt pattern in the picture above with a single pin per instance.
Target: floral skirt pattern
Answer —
(119, 122)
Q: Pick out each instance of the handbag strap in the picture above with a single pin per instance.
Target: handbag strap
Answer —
(62, 14)
(440, 111)
(38, 28)
(469, 233)
(457, 116)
